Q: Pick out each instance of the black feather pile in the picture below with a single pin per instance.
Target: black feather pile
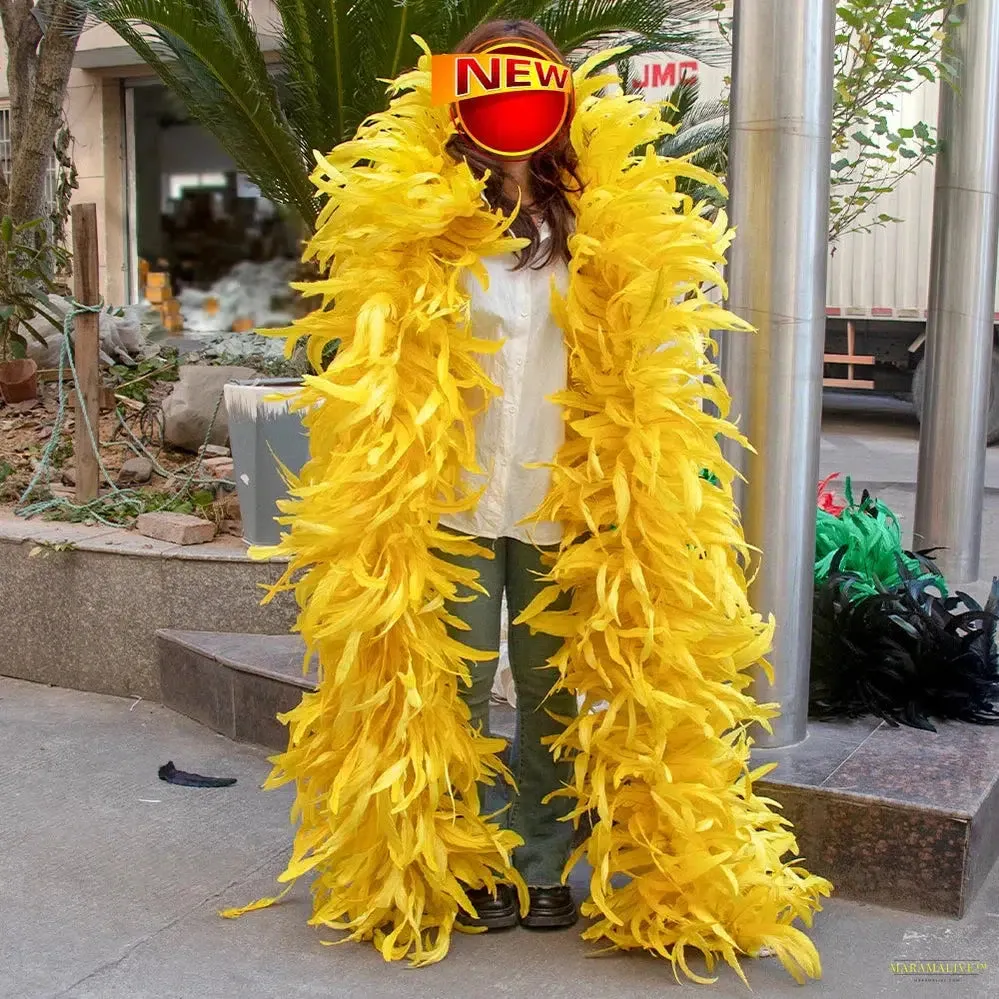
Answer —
(906, 654)
(888, 640)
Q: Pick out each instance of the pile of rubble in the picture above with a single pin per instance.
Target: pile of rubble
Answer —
(248, 297)
(124, 335)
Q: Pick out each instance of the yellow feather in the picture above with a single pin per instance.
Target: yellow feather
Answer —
(660, 625)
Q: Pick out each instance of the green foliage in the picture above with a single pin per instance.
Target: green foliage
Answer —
(335, 57)
(62, 452)
(701, 136)
(29, 263)
(67, 182)
(136, 381)
(112, 509)
(883, 51)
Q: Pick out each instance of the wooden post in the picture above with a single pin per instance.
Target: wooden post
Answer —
(86, 353)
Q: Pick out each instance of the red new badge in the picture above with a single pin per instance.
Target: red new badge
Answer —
(511, 99)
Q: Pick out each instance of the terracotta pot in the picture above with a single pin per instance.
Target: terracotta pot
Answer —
(19, 380)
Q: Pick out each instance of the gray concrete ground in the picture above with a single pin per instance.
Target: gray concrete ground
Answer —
(110, 879)
(876, 440)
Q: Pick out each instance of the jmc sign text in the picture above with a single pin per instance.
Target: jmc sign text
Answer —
(654, 75)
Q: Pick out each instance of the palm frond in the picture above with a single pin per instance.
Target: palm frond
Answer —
(701, 127)
(456, 18)
(321, 84)
(708, 138)
(701, 135)
(208, 54)
(681, 102)
(336, 56)
(707, 111)
(637, 26)
(383, 31)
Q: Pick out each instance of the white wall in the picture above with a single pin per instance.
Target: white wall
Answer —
(881, 274)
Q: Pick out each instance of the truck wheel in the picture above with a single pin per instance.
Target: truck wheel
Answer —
(919, 390)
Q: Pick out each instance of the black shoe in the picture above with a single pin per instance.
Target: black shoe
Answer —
(496, 912)
(551, 909)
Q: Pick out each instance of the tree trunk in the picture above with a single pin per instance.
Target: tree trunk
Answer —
(41, 40)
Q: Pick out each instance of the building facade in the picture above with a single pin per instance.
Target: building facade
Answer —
(126, 149)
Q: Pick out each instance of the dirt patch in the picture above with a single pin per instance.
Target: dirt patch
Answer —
(26, 432)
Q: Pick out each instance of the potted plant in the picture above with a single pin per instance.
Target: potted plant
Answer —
(29, 263)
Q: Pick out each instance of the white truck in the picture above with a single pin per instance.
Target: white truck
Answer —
(878, 282)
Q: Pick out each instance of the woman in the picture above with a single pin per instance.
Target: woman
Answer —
(645, 605)
(523, 427)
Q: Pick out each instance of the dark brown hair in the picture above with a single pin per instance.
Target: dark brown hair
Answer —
(552, 169)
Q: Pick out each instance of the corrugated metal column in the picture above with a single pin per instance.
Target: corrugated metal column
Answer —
(951, 481)
(779, 181)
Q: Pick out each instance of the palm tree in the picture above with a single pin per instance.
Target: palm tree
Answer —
(701, 136)
(701, 128)
(331, 57)
(700, 132)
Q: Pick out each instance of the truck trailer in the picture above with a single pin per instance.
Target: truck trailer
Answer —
(878, 282)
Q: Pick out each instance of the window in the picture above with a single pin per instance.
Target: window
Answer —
(177, 183)
(51, 174)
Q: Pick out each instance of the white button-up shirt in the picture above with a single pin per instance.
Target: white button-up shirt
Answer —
(523, 426)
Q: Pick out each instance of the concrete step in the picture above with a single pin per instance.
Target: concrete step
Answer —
(237, 684)
(892, 816)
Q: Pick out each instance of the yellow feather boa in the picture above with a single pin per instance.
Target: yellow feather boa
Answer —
(660, 628)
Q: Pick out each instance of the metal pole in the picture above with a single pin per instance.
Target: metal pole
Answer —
(781, 130)
(951, 482)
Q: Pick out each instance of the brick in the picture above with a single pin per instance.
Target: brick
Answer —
(220, 468)
(228, 506)
(175, 528)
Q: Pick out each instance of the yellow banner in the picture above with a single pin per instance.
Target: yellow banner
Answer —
(460, 77)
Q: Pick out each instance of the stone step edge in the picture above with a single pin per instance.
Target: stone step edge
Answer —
(175, 637)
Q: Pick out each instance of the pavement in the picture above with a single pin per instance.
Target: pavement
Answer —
(876, 440)
(110, 880)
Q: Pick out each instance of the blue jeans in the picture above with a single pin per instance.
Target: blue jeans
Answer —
(517, 569)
